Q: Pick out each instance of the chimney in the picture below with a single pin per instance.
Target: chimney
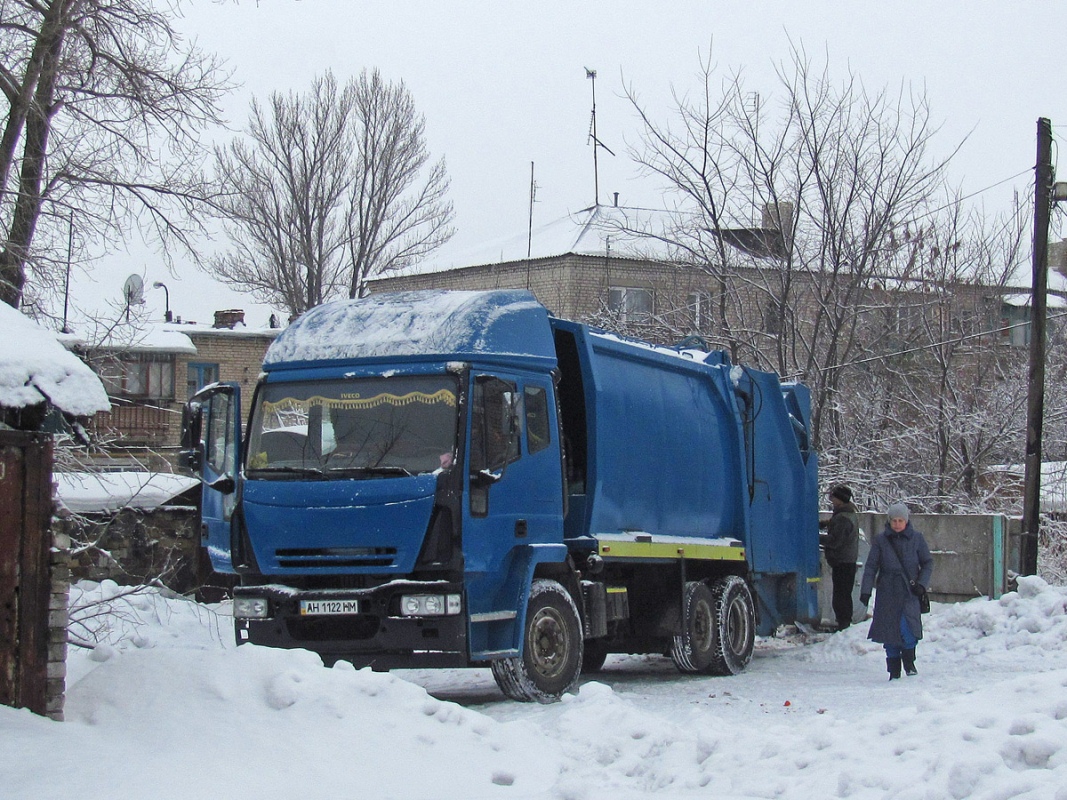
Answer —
(779, 216)
(230, 318)
(616, 199)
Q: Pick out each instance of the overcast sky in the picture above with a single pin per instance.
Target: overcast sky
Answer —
(502, 86)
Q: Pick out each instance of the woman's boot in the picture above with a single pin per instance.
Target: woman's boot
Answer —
(893, 665)
(909, 662)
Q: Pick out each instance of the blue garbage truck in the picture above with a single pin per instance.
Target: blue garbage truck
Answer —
(459, 479)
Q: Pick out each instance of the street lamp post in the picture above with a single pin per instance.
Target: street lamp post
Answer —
(166, 295)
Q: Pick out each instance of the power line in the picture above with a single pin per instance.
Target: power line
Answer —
(932, 345)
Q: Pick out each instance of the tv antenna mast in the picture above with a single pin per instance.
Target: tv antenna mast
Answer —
(533, 199)
(591, 75)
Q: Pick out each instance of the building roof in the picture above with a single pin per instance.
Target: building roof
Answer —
(35, 367)
(1053, 490)
(88, 492)
(597, 230)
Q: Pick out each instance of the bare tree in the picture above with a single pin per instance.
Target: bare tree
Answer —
(328, 190)
(843, 260)
(105, 106)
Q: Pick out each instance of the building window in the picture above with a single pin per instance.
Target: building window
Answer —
(200, 375)
(699, 306)
(1015, 325)
(140, 375)
(772, 319)
(629, 304)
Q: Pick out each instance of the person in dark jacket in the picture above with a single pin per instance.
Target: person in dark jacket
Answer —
(897, 566)
(841, 548)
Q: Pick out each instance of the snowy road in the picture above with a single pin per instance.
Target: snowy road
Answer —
(166, 707)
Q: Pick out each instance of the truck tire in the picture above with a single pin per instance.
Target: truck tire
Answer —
(551, 659)
(693, 650)
(735, 630)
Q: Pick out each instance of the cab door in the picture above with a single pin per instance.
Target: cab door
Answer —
(212, 446)
(514, 502)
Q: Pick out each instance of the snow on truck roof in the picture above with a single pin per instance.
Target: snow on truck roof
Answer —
(418, 323)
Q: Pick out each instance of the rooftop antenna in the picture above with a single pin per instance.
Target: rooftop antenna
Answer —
(66, 283)
(533, 199)
(133, 292)
(591, 75)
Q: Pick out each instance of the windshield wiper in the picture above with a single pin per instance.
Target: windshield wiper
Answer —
(375, 471)
(290, 470)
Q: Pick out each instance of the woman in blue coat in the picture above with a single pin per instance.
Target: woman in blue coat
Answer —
(899, 566)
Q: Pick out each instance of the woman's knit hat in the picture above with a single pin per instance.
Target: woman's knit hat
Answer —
(898, 511)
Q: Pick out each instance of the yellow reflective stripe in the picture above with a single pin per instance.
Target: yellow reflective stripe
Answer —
(813, 580)
(705, 552)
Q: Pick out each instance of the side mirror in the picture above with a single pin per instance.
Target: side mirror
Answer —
(484, 477)
(224, 484)
(191, 460)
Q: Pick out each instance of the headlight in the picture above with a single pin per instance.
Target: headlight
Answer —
(250, 607)
(430, 605)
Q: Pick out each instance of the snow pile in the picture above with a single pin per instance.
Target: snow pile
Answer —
(35, 367)
(1029, 622)
(166, 704)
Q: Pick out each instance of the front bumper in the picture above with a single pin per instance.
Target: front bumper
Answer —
(377, 637)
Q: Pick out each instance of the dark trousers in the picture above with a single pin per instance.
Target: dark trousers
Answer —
(844, 578)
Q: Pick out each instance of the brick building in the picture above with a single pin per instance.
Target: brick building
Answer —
(591, 267)
(150, 376)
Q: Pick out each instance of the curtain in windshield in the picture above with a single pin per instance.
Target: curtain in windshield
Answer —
(368, 427)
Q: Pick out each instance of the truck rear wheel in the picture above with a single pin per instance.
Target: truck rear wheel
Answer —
(551, 657)
(735, 614)
(693, 649)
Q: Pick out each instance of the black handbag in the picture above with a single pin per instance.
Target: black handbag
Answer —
(914, 586)
(924, 598)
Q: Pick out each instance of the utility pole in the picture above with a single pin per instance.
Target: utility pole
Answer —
(1035, 402)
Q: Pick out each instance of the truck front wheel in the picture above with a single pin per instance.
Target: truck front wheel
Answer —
(551, 657)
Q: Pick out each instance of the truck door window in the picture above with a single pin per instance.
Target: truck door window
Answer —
(494, 425)
(220, 438)
(537, 429)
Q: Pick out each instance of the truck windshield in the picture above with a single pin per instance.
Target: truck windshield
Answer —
(362, 428)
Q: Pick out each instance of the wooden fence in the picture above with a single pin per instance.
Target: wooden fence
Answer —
(26, 681)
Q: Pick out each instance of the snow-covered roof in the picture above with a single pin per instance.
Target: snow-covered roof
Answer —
(1023, 300)
(597, 230)
(87, 492)
(150, 338)
(1053, 483)
(35, 367)
(203, 328)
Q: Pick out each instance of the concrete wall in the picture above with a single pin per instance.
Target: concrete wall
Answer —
(974, 556)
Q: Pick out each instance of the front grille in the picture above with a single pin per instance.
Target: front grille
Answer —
(333, 557)
(325, 629)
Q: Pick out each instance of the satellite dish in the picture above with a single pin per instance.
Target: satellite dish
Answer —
(133, 290)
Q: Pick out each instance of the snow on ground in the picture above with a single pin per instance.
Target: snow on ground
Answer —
(166, 707)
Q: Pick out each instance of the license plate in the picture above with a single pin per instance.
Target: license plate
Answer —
(327, 607)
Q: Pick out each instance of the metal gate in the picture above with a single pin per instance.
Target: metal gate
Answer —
(25, 575)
